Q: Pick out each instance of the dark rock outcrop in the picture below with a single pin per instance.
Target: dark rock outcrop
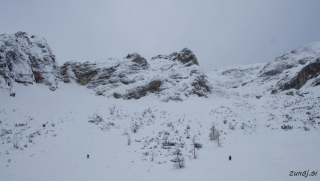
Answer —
(138, 62)
(185, 56)
(308, 72)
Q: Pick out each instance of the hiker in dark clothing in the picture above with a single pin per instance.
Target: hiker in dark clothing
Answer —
(230, 157)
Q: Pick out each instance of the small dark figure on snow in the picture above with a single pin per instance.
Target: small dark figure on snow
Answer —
(88, 156)
(230, 157)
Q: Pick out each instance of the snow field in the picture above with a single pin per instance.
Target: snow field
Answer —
(59, 152)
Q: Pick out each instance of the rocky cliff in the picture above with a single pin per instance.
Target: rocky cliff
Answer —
(169, 77)
(26, 59)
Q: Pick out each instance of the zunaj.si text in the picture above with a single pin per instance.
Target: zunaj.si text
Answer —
(304, 173)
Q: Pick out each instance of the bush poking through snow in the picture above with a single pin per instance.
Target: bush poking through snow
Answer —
(112, 109)
(286, 127)
(15, 141)
(215, 135)
(195, 146)
(218, 138)
(243, 125)
(30, 137)
(152, 156)
(129, 140)
(232, 127)
(179, 159)
(96, 118)
(145, 153)
(212, 133)
(135, 127)
(306, 128)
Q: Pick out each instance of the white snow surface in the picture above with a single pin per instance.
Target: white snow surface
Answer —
(248, 116)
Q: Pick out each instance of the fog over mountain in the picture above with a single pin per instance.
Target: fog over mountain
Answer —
(220, 33)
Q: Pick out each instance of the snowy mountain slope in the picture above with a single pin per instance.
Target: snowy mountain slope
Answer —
(54, 140)
(47, 135)
(294, 69)
(26, 59)
(288, 72)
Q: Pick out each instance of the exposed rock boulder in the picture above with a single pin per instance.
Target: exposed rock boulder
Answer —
(185, 56)
(25, 60)
(138, 62)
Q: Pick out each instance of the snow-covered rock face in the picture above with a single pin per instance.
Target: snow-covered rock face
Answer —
(294, 69)
(26, 59)
(170, 77)
(289, 71)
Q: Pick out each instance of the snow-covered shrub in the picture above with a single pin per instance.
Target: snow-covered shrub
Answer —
(243, 125)
(197, 145)
(152, 156)
(15, 141)
(96, 118)
(212, 133)
(286, 127)
(306, 128)
(129, 140)
(4, 132)
(145, 153)
(30, 137)
(112, 109)
(179, 159)
(135, 127)
(232, 127)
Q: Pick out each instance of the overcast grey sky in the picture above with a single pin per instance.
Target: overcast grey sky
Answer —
(220, 32)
